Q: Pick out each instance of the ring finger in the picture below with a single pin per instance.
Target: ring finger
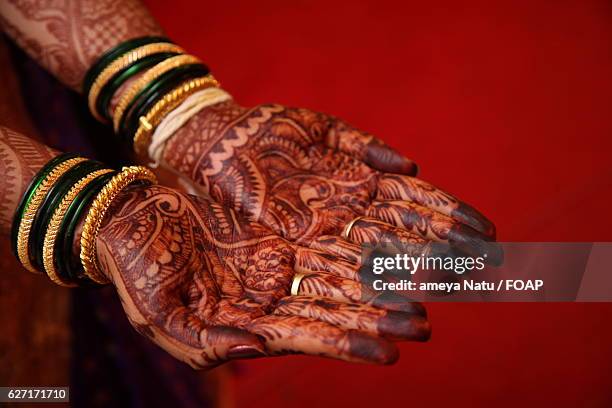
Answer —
(354, 316)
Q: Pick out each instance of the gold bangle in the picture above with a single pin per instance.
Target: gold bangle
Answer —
(56, 221)
(168, 103)
(23, 234)
(98, 210)
(121, 63)
(139, 84)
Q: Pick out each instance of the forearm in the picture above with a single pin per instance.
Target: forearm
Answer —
(20, 159)
(68, 37)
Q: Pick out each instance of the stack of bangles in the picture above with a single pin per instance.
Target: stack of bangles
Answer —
(67, 190)
(152, 78)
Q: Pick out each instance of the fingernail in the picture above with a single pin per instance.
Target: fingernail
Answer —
(470, 216)
(472, 243)
(244, 352)
(415, 171)
(372, 349)
(398, 302)
(384, 158)
(406, 166)
(404, 326)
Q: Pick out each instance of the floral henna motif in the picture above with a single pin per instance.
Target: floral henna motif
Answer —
(388, 323)
(270, 163)
(206, 286)
(415, 218)
(394, 187)
(306, 175)
(367, 148)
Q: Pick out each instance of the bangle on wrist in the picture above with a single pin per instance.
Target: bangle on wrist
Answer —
(147, 80)
(97, 211)
(153, 93)
(49, 255)
(171, 100)
(66, 261)
(111, 55)
(24, 220)
(49, 204)
(168, 77)
(65, 191)
(104, 70)
(29, 193)
(175, 119)
(108, 91)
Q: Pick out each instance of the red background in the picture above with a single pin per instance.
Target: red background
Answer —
(506, 104)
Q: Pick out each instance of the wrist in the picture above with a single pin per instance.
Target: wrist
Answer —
(22, 159)
(187, 148)
(63, 210)
(104, 246)
(103, 205)
(144, 84)
(201, 104)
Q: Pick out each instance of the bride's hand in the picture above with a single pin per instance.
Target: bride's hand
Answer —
(306, 175)
(208, 286)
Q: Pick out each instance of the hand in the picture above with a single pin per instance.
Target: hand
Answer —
(208, 287)
(306, 175)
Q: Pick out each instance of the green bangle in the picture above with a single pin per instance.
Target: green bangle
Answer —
(109, 90)
(29, 193)
(50, 203)
(114, 53)
(68, 265)
(146, 98)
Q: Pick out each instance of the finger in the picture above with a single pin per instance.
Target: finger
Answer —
(312, 261)
(338, 246)
(368, 149)
(397, 187)
(295, 334)
(350, 291)
(367, 230)
(189, 339)
(351, 287)
(354, 316)
(433, 225)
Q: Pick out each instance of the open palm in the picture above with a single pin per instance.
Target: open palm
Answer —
(306, 175)
(208, 287)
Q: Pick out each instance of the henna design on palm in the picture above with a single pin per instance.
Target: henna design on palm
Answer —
(208, 286)
(306, 175)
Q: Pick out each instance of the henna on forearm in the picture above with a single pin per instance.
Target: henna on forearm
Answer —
(67, 37)
(20, 159)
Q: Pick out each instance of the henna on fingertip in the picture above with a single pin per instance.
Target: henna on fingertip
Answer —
(438, 227)
(397, 187)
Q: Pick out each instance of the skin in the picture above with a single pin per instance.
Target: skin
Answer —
(20, 159)
(306, 175)
(303, 174)
(67, 37)
(278, 186)
(209, 286)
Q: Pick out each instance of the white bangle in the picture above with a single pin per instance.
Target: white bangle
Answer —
(179, 116)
